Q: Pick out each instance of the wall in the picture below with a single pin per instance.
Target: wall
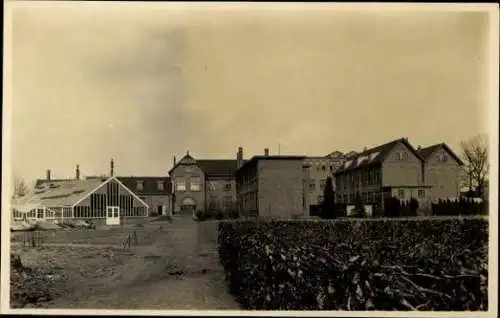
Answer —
(401, 172)
(444, 177)
(280, 185)
(154, 200)
(217, 192)
(185, 172)
(320, 170)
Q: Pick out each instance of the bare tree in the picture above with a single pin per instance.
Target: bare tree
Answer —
(475, 156)
(20, 187)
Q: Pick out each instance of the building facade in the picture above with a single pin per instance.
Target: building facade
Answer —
(442, 170)
(205, 185)
(392, 169)
(320, 168)
(272, 186)
(155, 191)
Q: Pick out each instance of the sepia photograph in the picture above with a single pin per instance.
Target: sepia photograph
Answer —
(240, 158)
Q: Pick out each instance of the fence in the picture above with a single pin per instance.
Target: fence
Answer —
(130, 241)
(30, 238)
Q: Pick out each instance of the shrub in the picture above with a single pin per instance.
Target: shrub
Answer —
(357, 264)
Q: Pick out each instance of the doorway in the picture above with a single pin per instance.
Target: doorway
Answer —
(188, 206)
(112, 215)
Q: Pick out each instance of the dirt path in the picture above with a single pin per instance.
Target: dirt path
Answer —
(171, 273)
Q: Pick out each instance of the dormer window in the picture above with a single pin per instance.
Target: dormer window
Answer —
(140, 185)
(161, 185)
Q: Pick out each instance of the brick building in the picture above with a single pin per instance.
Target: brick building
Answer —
(392, 169)
(272, 186)
(204, 184)
(155, 191)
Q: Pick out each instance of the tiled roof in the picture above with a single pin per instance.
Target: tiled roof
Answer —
(373, 155)
(150, 185)
(58, 193)
(218, 167)
(426, 152)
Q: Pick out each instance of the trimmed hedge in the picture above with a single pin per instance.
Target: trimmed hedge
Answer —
(370, 264)
(463, 206)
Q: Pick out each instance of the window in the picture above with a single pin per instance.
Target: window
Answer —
(401, 193)
(161, 185)
(323, 168)
(345, 198)
(322, 184)
(421, 193)
(443, 157)
(227, 186)
(180, 185)
(211, 185)
(195, 184)
(312, 185)
(376, 175)
(140, 185)
(228, 202)
(401, 155)
(39, 213)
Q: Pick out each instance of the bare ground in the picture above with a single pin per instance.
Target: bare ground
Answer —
(171, 272)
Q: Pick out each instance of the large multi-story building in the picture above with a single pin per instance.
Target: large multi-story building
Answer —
(272, 186)
(204, 184)
(399, 170)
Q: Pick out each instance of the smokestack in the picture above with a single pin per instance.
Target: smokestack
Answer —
(48, 174)
(266, 152)
(112, 167)
(77, 172)
(239, 157)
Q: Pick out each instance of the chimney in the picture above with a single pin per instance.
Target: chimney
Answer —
(266, 152)
(77, 172)
(365, 149)
(419, 148)
(175, 161)
(112, 168)
(48, 174)
(239, 157)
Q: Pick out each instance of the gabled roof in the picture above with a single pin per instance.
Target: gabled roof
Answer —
(63, 193)
(373, 156)
(215, 168)
(335, 154)
(150, 185)
(427, 152)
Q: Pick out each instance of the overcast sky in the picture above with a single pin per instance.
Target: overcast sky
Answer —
(141, 83)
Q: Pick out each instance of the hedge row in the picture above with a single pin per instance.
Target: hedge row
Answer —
(355, 265)
(463, 206)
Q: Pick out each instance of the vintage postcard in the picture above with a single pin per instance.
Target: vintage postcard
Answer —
(284, 159)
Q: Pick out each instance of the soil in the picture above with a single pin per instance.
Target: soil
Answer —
(170, 270)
